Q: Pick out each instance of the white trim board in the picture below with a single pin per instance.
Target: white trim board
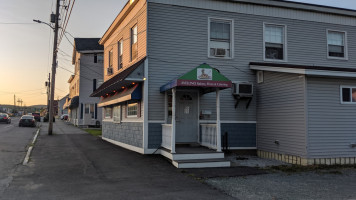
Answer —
(126, 146)
(304, 71)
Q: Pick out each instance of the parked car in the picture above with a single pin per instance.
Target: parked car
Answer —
(27, 120)
(37, 116)
(64, 117)
(5, 118)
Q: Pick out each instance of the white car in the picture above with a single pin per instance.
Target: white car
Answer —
(64, 117)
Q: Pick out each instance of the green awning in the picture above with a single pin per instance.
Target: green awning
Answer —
(202, 76)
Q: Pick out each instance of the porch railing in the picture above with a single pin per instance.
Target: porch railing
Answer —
(167, 136)
(208, 135)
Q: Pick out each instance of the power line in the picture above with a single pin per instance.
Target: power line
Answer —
(66, 23)
(18, 23)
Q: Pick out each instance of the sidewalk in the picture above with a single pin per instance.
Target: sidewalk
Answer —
(72, 164)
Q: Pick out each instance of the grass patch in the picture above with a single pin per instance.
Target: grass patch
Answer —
(94, 132)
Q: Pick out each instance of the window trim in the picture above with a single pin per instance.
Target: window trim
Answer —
(120, 53)
(120, 114)
(111, 52)
(285, 44)
(105, 117)
(127, 110)
(346, 57)
(131, 44)
(231, 37)
(350, 87)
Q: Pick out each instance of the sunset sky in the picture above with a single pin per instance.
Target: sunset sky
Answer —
(26, 47)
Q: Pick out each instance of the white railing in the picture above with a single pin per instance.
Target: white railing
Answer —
(208, 135)
(167, 136)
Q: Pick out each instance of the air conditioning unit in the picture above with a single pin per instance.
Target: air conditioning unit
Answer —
(220, 52)
(109, 70)
(242, 89)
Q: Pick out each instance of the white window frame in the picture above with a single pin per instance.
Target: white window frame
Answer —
(127, 109)
(111, 59)
(346, 56)
(116, 118)
(231, 37)
(285, 45)
(105, 111)
(120, 50)
(349, 87)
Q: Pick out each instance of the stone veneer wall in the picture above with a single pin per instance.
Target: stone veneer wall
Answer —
(126, 132)
(297, 160)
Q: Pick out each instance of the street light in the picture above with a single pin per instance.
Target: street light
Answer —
(54, 18)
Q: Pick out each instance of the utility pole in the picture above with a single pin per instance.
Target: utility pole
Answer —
(54, 66)
(48, 88)
(14, 103)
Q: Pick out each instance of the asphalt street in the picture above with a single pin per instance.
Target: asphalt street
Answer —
(72, 164)
(14, 141)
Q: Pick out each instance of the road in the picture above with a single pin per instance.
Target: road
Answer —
(14, 141)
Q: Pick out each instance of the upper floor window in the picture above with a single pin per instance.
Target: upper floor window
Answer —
(110, 59)
(220, 38)
(120, 51)
(100, 58)
(348, 94)
(134, 42)
(274, 42)
(336, 44)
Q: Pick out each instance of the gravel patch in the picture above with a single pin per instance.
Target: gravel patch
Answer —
(324, 185)
(252, 161)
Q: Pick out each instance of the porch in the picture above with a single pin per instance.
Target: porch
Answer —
(185, 141)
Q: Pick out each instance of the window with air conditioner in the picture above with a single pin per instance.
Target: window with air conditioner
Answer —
(275, 42)
(220, 38)
(242, 89)
(337, 46)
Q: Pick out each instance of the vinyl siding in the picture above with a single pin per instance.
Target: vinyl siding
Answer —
(331, 125)
(281, 114)
(179, 42)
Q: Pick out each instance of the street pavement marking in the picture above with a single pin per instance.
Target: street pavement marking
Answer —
(27, 157)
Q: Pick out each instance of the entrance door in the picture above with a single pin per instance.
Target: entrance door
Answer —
(187, 117)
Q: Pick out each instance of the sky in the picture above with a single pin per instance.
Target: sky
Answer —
(26, 49)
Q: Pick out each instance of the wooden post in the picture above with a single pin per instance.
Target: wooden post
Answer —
(218, 129)
(173, 149)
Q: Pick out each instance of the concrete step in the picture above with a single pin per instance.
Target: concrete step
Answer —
(201, 163)
(191, 156)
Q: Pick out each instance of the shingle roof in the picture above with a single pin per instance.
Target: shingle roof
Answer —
(87, 44)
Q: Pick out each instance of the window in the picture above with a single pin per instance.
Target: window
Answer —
(348, 94)
(110, 59)
(100, 58)
(134, 42)
(132, 109)
(336, 44)
(120, 50)
(220, 38)
(108, 112)
(274, 42)
(95, 58)
(117, 114)
(92, 111)
(87, 108)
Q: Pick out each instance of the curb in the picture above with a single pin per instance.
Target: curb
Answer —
(27, 157)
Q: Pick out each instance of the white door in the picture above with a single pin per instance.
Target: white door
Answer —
(187, 117)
